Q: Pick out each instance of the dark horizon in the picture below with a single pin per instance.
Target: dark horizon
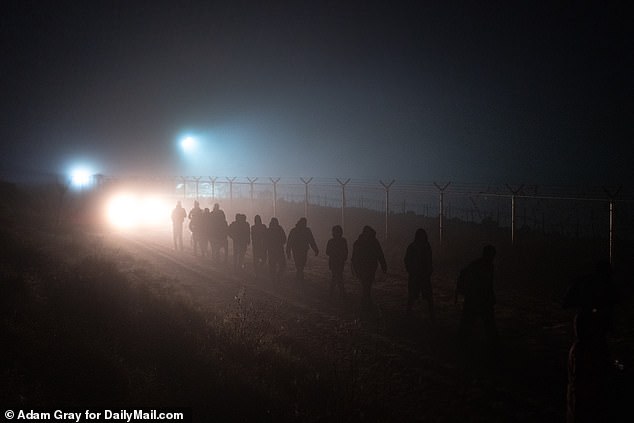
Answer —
(493, 93)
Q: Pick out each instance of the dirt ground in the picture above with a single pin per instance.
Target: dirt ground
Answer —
(140, 323)
(392, 367)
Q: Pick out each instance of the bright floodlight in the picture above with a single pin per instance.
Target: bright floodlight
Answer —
(128, 211)
(80, 178)
(122, 212)
(188, 144)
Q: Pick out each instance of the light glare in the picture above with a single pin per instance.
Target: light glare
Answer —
(80, 178)
(188, 144)
(128, 211)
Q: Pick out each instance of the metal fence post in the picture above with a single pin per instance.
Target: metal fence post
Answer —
(386, 187)
(251, 182)
(514, 192)
(213, 187)
(184, 179)
(441, 213)
(275, 181)
(611, 197)
(230, 180)
(343, 200)
(197, 181)
(306, 182)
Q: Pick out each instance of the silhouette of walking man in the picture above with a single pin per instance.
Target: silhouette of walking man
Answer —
(300, 239)
(476, 284)
(219, 229)
(594, 293)
(594, 297)
(418, 263)
(588, 371)
(258, 240)
(240, 233)
(196, 225)
(367, 254)
(275, 240)
(178, 217)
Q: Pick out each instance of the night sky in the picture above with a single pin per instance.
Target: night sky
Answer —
(466, 91)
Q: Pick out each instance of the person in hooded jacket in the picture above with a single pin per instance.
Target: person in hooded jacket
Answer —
(178, 217)
(240, 233)
(275, 240)
(367, 255)
(418, 263)
(476, 284)
(300, 239)
(203, 237)
(196, 226)
(218, 234)
(258, 241)
(588, 387)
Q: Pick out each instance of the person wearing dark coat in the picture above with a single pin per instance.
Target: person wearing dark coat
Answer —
(476, 284)
(300, 239)
(367, 254)
(196, 225)
(275, 240)
(258, 242)
(418, 263)
(178, 217)
(595, 292)
(218, 233)
(203, 239)
(593, 297)
(587, 396)
(337, 252)
(240, 233)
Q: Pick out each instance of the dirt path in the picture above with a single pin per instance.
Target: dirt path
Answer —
(407, 365)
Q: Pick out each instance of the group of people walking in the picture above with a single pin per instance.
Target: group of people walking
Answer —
(593, 296)
(272, 247)
(211, 233)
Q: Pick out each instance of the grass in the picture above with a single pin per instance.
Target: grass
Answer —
(85, 325)
(78, 331)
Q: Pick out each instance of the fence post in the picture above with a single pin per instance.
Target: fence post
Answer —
(514, 192)
(197, 180)
(441, 213)
(251, 182)
(343, 200)
(306, 182)
(213, 187)
(386, 187)
(230, 180)
(611, 197)
(184, 179)
(275, 181)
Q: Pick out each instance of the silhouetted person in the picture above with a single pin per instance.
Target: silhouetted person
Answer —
(588, 371)
(178, 217)
(367, 254)
(240, 233)
(203, 239)
(476, 284)
(595, 293)
(195, 225)
(218, 232)
(275, 240)
(300, 239)
(337, 252)
(418, 263)
(258, 241)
